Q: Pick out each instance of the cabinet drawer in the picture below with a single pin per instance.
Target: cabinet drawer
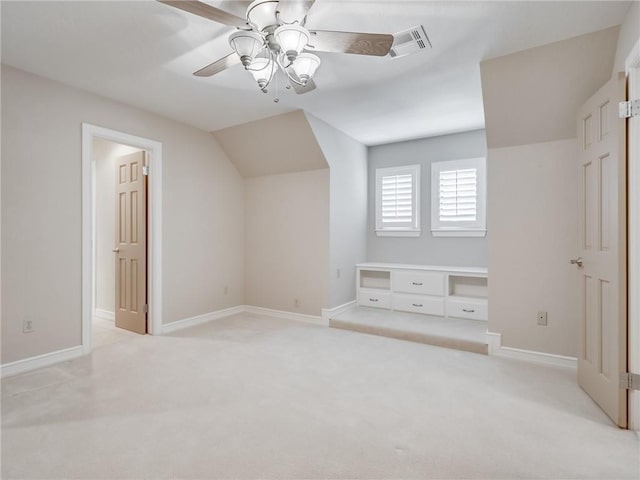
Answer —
(467, 308)
(419, 304)
(373, 298)
(424, 283)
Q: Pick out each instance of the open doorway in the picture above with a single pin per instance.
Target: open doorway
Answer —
(122, 227)
(120, 247)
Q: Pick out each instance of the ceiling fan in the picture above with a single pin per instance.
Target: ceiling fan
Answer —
(273, 38)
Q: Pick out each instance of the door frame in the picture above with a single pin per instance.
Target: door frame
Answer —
(154, 230)
(632, 69)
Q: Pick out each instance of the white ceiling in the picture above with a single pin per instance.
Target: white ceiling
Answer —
(143, 53)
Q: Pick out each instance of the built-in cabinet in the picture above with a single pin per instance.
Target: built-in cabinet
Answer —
(460, 292)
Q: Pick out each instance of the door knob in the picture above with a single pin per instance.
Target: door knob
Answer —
(577, 261)
(115, 250)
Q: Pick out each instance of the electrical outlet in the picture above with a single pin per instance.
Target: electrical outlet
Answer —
(542, 319)
(27, 326)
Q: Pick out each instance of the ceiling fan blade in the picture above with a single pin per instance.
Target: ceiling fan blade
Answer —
(300, 89)
(292, 10)
(218, 66)
(377, 44)
(207, 11)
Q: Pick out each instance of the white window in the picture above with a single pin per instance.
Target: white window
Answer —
(458, 198)
(398, 201)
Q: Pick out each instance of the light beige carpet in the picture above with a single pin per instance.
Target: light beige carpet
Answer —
(252, 397)
(458, 333)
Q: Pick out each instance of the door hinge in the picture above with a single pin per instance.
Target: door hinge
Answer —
(630, 381)
(145, 169)
(629, 109)
(146, 308)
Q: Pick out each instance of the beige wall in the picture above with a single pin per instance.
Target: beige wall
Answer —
(279, 144)
(287, 241)
(347, 160)
(533, 220)
(531, 100)
(532, 96)
(105, 154)
(203, 237)
(528, 254)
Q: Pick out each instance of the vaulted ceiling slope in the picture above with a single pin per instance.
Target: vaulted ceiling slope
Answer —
(283, 143)
(143, 53)
(533, 96)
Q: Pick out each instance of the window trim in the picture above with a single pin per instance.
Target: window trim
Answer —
(413, 230)
(478, 228)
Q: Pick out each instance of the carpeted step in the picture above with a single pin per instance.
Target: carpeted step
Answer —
(460, 334)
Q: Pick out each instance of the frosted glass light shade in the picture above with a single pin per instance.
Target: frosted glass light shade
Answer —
(292, 39)
(262, 13)
(262, 70)
(246, 45)
(305, 66)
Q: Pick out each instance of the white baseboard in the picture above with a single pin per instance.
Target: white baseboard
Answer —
(300, 317)
(496, 348)
(45, 360)
(219, 314)
(327, 313)
(200, 319)
(104, 314)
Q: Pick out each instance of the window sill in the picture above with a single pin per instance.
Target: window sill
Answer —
(459, 233)
(398, 233)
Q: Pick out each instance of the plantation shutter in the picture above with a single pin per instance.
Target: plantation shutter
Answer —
(397, 200)
(458, 195)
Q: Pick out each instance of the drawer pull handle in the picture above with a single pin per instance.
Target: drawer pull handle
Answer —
(373, 299)
(416, 304)
(417, 283)
(468, 310)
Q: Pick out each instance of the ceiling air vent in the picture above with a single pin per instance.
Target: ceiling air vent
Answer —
(409, 41)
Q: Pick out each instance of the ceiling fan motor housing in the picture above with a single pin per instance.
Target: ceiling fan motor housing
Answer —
(270, 38)
(263, 14)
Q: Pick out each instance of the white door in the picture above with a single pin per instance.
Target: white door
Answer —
(603, 250)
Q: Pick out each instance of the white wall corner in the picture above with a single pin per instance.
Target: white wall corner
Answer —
(299, 317)
(200, 319)
(327, 313)
(39, 361)
(494, 341)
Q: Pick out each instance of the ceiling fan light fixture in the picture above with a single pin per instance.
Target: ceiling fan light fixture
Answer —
(246, 44)
(262, 70)
(262, 13)
(305, 66)
(292, 40)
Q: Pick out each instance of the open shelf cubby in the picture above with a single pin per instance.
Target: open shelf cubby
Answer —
(375, 279)
(468, 287)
